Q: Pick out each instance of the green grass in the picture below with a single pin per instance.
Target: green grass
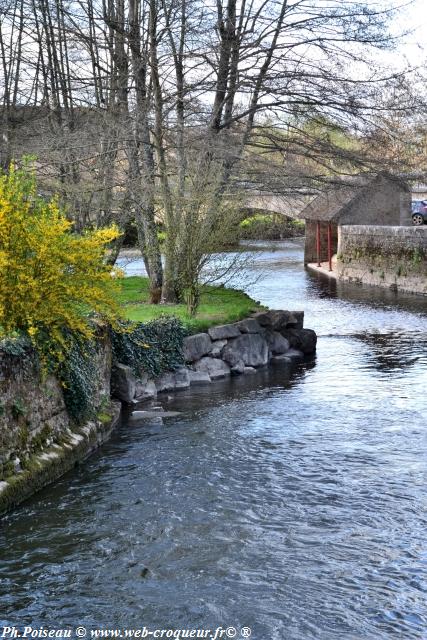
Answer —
(218, 305)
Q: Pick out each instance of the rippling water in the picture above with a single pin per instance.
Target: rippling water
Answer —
(293, 504)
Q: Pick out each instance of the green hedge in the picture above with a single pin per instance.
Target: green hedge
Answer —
(270, 227)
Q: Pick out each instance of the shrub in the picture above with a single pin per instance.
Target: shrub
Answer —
(270, 227)
(152, 347)
(51, 279)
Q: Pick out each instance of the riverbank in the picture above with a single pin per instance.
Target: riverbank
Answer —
(270, 226)
(218, 305)
(265, 338)
(392, 258)
(40, 439)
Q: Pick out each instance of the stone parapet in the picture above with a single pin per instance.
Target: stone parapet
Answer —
(39, 441)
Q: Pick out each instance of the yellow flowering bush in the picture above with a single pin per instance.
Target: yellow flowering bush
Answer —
(51, 279)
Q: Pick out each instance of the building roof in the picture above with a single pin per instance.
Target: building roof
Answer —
(331, 204)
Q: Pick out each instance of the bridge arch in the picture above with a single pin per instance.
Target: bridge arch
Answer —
(289, 206)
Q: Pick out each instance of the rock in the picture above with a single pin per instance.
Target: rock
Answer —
(224, 331)
(165, 382)
(173, 381)
(217, 347)
(232, 356)
(276, 342)
(248, 370)
(303, 339)
(276, 320)
(308, 340)
(283, 359)
(238, 368)
(199, 377)
(294, 354)
(182, 378)
(145, 389)
(123, 383)
(252, 348)
(249, 325)
(146, 392)
(299, 317)
(195, 347)
(214, 367)
(141, 416)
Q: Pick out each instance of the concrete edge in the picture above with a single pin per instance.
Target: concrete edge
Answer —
(362, 276)
(323, 269)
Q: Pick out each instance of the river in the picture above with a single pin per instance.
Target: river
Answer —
(293, 506)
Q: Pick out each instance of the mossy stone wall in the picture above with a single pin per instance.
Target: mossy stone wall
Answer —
(38, 439)
(394, 257)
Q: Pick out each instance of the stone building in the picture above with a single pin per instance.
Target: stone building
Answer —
(382, 199)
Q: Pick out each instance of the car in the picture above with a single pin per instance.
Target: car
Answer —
(419, 212)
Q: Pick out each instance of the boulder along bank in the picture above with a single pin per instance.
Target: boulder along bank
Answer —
(267, 337)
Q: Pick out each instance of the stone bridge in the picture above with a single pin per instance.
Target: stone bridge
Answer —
(286, 205)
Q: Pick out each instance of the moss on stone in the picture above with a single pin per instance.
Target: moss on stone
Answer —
(38, 442)
(42, 469)
(7, 469)
(23, 435)
(18, 408)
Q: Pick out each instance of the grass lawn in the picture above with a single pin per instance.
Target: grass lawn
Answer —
(218, 305)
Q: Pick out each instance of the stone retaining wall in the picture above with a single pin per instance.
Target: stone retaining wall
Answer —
(394, 257)
(38, 440)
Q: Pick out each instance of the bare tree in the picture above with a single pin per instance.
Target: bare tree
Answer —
(160, 110)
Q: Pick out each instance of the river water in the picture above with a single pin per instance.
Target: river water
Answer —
(294, 505)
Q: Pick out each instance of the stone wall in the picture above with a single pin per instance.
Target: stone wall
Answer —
(270, 337)
(38, 440)
(383, 202)
(394, 257)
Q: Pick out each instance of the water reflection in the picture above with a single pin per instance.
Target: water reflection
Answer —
(394, 353)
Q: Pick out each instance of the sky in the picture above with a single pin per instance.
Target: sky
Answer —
(414, 44)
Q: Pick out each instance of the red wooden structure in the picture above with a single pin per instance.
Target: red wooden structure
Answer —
(318, 243)
(330, 246)
(318, 249)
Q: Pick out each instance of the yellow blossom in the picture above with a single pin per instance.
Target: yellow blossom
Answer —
(50, 277)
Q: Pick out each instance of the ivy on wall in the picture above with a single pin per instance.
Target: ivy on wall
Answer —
(78, 375)
(151, 348)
